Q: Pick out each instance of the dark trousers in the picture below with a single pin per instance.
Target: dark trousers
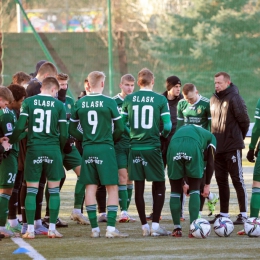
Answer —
(225, 164)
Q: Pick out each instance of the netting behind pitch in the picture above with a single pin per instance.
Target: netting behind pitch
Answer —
(190, 39)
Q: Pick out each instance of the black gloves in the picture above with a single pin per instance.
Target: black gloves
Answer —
(251, 156)
(68, 146)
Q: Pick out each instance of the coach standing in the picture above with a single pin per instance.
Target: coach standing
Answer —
(230, 123)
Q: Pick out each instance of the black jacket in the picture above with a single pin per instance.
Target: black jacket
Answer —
(230, 120)
(173, 111)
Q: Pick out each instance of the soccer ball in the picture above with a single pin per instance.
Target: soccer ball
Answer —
(252, 227)
(200, 228)
(223, 227)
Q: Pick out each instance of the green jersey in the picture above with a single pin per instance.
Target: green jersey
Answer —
(203, 137)
(125, 138)
(95, 112)
(197, 113)
(8, 120)
(144, 110)
(46, 121)
(256, 129)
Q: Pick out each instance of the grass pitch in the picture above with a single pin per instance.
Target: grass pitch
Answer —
(77, 244)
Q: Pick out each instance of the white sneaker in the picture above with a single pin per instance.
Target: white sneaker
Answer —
(146, 232)
(102, 218)
(160, 231)
(24, 228)
(40, 230)
(124, 218)
(29, 235)
(80, 218)
(5, 232)
(115, 233)
(54, 234)
(95, 234)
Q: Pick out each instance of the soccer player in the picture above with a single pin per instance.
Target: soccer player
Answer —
(95, 112)
(71, 161)
(21, 78)
(8, 121)
(251, 154)
(173, 95)
(125, 186)
(47, 135)
(185, 158)
(6, 179)
(143, 110)
(195, 109)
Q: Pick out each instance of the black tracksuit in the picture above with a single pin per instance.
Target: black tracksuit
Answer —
(229, 124)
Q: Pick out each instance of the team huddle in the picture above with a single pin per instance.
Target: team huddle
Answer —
(112, 142)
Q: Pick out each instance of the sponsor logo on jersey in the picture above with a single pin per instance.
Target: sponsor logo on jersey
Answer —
(9, 126)
(42, 159)
(93, 159)
(139, 159)
(180, 156)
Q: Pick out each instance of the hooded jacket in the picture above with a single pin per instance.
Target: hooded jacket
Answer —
(229, 119)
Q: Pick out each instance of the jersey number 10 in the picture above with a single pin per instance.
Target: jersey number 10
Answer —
(146, 117)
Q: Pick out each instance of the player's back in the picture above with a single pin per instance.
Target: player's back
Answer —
(144, 110)
(45, 113)
(201, 135)
(96, 112)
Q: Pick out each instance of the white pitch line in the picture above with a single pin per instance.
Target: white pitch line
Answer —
(33, 253)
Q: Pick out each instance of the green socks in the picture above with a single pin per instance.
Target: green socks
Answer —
(92, 215)
(122, 195)
(54, 204)
(30, 204)
(4, 201)
(175, 207)
(78, 195)
(194, 204)
(255, 202)
(111, 215)
(129, 193)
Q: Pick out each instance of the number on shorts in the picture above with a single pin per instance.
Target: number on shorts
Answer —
(93, 120)
(11, 177)
(40, 120)
(146, 118)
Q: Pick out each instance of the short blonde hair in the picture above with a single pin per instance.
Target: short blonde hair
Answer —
(49, 82)
(95, 77)
(62, 76)
(127, 77)
(188, 87)
(6, 94)
(49, 68)
(20, 77)
(145, 77)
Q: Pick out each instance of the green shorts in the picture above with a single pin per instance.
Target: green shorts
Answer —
(8, 170)
(72, 160)
(99, 165)
(146, 165)
(256, 174)
(185, 158)
(46, 159)
(122, 157)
